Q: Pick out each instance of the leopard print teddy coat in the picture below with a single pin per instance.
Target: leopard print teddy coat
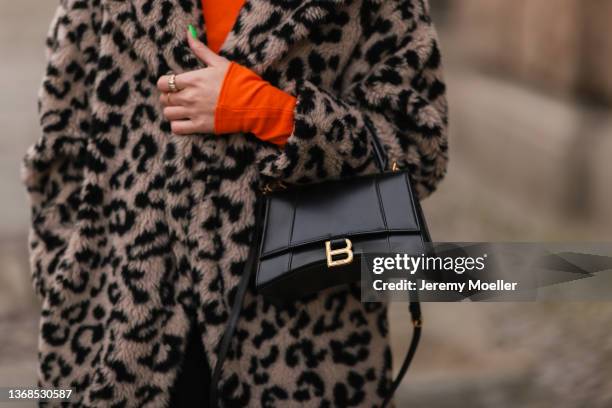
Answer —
(136, 233)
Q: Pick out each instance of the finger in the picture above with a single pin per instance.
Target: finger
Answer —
(176, 113)
(183, 127)
(169, 99)
(201, 51)
(164, 99)
(182, 98)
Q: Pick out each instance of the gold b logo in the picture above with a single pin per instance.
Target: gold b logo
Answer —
(347, 251)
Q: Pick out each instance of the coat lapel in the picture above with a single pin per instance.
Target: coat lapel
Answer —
(263, 32)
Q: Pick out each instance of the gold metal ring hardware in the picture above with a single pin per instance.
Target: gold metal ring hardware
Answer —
(172, 83)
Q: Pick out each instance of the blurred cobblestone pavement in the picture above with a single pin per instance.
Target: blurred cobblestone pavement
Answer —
(509, 149)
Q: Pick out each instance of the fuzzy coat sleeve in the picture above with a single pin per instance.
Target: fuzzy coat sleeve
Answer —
(393, 82)
(52, 168)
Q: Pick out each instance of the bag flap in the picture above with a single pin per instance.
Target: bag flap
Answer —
(303, 215)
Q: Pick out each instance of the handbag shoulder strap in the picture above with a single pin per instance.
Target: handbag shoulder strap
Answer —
(417, 323)
(236, 308)
(382, 161)
(380, 154)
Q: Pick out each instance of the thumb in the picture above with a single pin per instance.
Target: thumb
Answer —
(200, 50)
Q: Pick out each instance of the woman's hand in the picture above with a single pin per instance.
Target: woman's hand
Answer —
(192, 108)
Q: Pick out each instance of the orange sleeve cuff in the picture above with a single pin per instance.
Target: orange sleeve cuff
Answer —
(247, 103)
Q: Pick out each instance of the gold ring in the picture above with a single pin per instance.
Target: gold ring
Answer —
(172, 83)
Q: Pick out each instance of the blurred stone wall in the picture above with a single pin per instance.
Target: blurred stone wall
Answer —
(564, 46)
(531, 118)
(561, 50)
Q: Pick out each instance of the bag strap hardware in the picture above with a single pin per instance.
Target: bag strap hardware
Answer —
(273, 186)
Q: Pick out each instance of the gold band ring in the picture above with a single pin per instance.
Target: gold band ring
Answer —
(172, 83)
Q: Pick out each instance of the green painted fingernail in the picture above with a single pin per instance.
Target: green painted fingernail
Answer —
(193, 32)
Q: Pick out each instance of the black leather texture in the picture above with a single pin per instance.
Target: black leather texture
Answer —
(377, 213)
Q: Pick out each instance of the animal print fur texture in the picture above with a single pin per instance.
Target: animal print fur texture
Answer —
(136, 232)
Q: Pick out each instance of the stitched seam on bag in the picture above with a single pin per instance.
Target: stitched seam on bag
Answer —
(263, 237)
(413, 198)
(382, 211)
(292, 228)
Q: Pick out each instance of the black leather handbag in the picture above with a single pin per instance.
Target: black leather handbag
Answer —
(311, 237)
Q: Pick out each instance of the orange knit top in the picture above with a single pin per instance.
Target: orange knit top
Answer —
(246, 103)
